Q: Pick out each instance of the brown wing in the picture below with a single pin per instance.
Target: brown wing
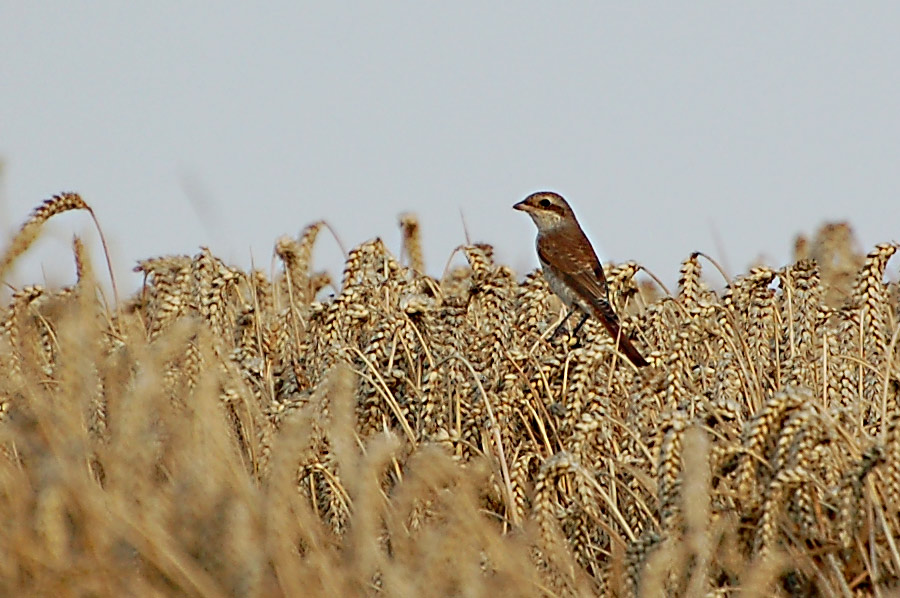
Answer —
(574, 260)
(577, 265)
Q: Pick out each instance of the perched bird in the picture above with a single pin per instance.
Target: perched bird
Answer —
(571, 267)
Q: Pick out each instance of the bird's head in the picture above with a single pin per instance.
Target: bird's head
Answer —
(548, 210)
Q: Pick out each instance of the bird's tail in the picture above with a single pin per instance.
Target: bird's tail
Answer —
(623, 343)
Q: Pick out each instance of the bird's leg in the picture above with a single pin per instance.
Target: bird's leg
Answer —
(564, 320)
(584, 317)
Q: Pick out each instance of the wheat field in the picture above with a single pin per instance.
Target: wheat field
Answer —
(224, 433)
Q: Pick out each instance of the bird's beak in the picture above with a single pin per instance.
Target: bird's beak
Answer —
(522, 206)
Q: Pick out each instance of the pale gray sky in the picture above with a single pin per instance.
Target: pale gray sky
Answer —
(666, 125)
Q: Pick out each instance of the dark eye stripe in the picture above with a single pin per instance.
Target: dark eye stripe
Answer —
(552, 207)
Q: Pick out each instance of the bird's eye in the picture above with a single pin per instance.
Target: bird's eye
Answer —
(544, 203)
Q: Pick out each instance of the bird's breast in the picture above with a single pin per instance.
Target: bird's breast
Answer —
(559, 287)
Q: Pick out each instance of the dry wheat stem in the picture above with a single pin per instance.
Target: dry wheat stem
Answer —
(198, 441)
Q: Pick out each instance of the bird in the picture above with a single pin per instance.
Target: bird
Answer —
(571, 268)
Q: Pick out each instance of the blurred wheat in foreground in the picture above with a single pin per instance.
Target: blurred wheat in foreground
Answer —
(224, 434)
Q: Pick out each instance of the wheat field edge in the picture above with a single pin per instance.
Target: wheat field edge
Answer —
(223, 433)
